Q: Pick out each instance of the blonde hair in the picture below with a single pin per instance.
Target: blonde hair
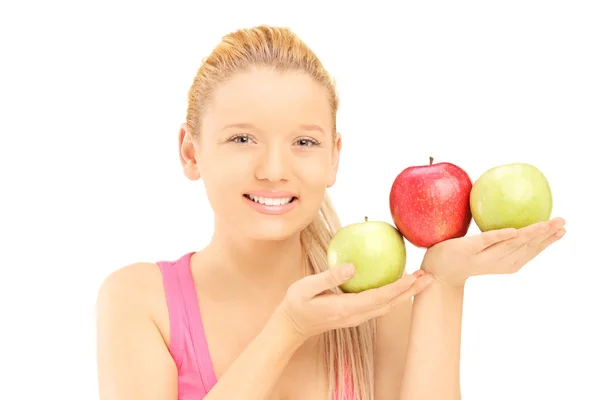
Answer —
(348, 353)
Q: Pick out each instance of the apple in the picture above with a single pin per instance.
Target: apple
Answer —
(375, 248)
(510, 196)
(430, 203)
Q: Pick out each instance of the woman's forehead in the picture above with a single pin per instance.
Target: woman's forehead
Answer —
(270, 97)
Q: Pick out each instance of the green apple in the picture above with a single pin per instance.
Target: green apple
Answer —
(376, 249)
(510, 196)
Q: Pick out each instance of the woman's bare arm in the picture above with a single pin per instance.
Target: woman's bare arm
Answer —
(253, 375)
(134, 362)
(393, 331)
(433, 357)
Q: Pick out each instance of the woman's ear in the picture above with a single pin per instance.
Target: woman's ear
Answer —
(188, 153)
(335, 159)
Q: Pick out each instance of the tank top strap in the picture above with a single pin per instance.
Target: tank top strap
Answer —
(176, 308)
(187, 340)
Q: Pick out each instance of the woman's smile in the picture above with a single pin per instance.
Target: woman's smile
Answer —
(271, 202)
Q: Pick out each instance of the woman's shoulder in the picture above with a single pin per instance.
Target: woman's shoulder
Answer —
(131, 284)
(132, 329)
(133, 292)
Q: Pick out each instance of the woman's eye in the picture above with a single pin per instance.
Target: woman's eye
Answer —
(241, 139)
(307, 142)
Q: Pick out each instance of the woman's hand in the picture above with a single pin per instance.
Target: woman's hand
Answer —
(310, 307)
(501, 251)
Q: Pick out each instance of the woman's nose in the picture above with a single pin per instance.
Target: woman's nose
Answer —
(272, 164)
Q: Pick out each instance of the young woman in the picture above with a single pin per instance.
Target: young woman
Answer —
(257, 314)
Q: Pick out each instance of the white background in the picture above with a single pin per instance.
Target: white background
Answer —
(92, 95)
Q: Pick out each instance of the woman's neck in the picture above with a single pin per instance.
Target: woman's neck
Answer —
(255, 266)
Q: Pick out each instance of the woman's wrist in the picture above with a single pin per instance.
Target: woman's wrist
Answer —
(446, 288)
(284, 328)
(451, 285)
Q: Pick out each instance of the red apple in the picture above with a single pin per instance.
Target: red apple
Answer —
(430, 203)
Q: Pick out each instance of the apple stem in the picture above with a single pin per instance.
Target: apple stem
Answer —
(366, 219)
(430, 160)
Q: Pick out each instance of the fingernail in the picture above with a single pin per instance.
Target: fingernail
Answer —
(349, 271)
(561, 233)
(545, 227)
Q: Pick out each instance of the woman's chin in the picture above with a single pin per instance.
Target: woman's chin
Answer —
(274, 230)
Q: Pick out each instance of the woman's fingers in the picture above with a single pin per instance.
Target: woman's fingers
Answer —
(487, 239)
(531, 243)
(525, 235)
(554, 226)
(420, 284)
(529, 236)
(313, 285)
(376, 298)
(539, 244)
(310, 312)
(553, 238)
(514, 260)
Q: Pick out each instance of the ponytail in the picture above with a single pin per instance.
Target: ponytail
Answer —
(348, 352)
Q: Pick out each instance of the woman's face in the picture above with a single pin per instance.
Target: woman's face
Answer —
(266, 152)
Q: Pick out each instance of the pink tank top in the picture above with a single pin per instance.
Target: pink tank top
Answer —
(188, 345)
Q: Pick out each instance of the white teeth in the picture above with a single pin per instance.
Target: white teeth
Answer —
(271, 201)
